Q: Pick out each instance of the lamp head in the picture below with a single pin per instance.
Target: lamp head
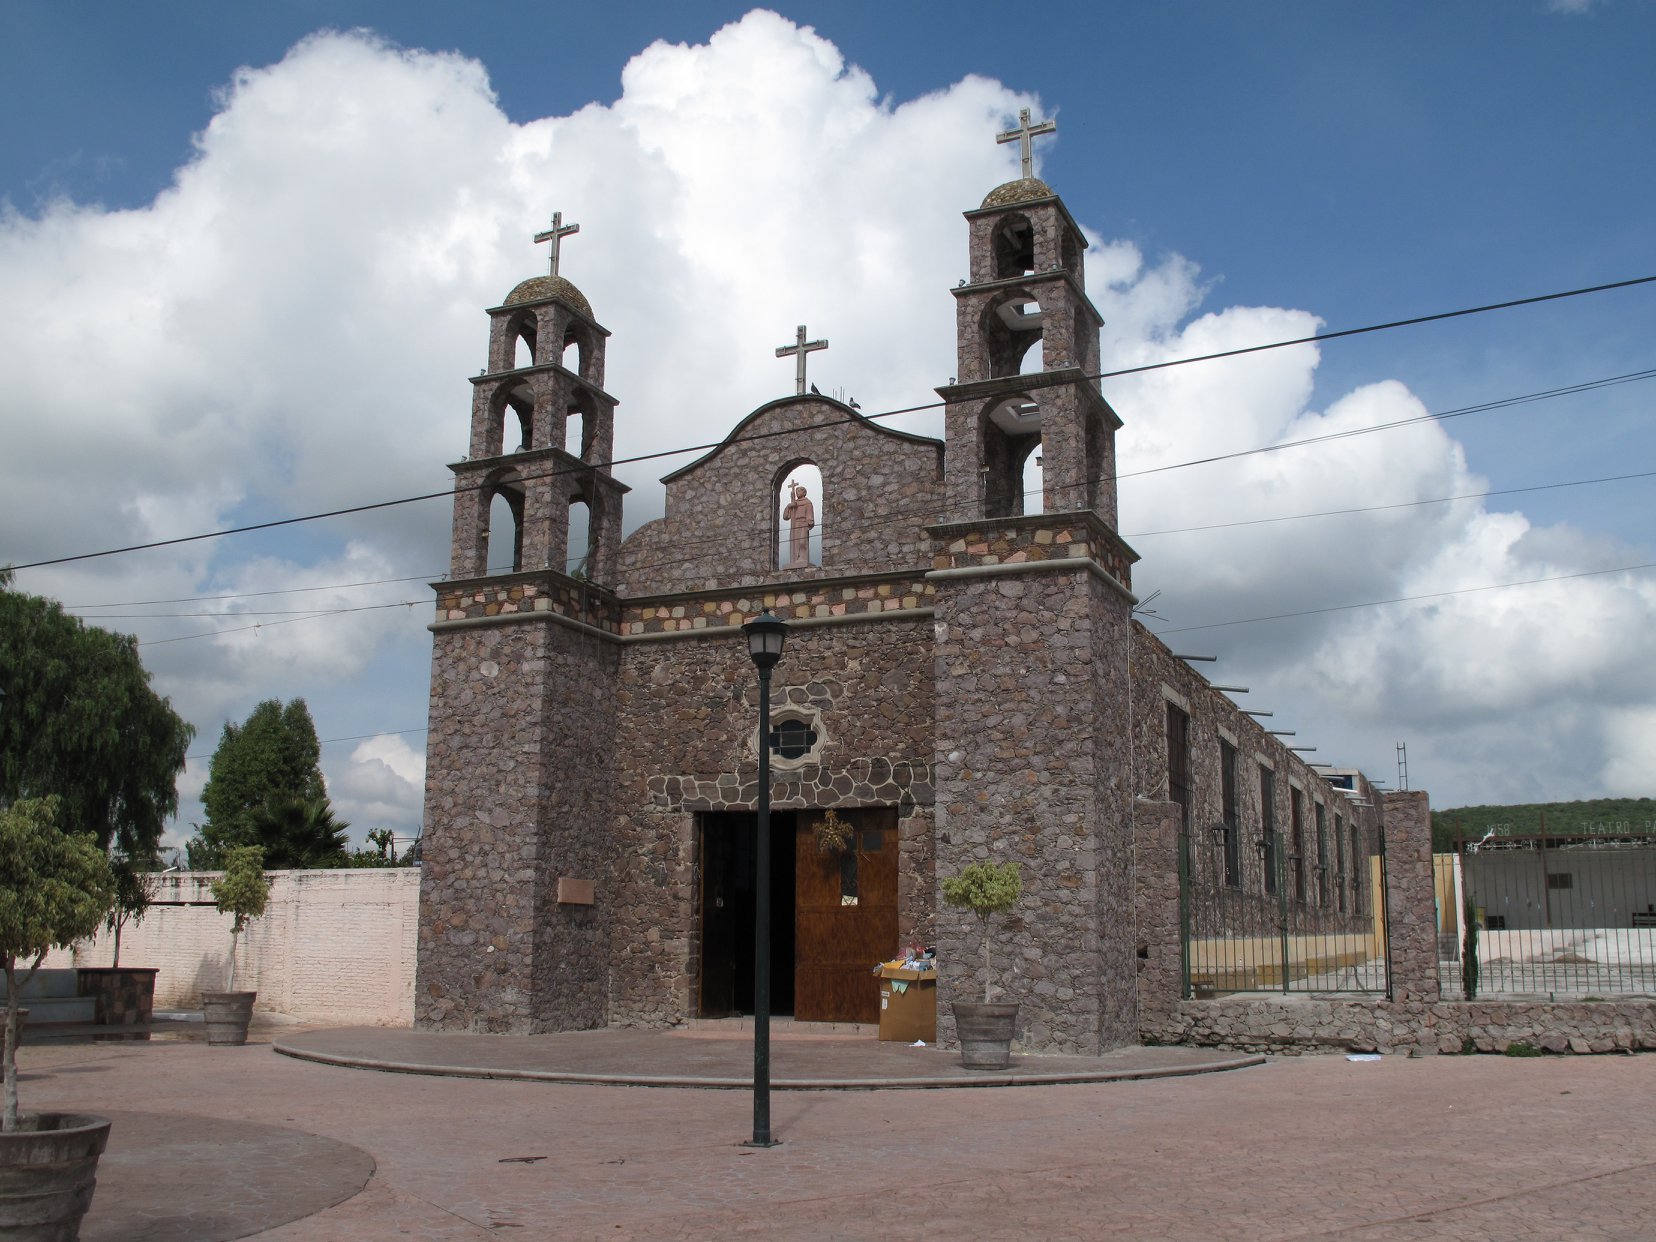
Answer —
(766, 635)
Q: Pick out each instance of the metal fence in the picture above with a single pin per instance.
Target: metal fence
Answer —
(1286, 916)
(1555, 918)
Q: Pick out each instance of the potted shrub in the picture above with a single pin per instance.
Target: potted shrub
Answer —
(240, 892)
(985, 1028)
(54, 890)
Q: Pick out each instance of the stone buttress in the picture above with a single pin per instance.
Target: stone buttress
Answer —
(514, 926)
(1033, 635)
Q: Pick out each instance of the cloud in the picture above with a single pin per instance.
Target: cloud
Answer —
(381, 785)
(291, 326)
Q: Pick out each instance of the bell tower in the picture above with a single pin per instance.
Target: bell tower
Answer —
(514, 904)
(1028, 349)
(1033, 625)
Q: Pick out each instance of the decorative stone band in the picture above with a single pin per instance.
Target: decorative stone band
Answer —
(555, 599)
(1032, 544)
(904, 783)
(824, 601)
(527, 595)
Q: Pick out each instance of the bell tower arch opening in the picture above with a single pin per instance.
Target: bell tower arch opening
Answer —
(503, 534)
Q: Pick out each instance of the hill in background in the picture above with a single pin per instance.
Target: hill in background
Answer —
(1534, 819)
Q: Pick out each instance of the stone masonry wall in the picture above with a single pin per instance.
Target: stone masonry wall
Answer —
(518, 771)
(1159, 678)
(687, 728)
(879, 489)
(1156, 913)
(1025, 680)
(1304, 1025)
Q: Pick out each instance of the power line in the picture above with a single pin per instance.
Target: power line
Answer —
(891, 516)
(1401, 504)
(330, 741)
(1406, 599)
(708, 447)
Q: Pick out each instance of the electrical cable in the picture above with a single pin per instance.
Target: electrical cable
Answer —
(1156, 366)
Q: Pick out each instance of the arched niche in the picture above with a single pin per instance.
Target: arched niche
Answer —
(797, 516)
(515, 402)
(1013, 324)
(580, 425)
(1013, 246)
(1010, 438)
(503, 538)
(577, 350)
(582, 531)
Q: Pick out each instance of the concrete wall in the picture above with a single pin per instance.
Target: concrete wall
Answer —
(333, 946)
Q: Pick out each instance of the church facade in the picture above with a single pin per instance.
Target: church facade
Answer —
(963, 681)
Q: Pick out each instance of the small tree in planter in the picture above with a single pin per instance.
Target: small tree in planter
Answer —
(54, 890)
(240, 892)
(985, 1029)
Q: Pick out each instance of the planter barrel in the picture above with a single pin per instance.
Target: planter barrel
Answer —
(985, 1032)
(227, 1015)
(48, 1169)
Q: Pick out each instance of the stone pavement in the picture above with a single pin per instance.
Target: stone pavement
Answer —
(1311, 1147)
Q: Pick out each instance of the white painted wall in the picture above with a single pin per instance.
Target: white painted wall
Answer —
(333, 946)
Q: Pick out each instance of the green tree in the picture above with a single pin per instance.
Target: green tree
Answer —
(271, 757)
(985, 889)
(241, 891)
(54, 890)
(80, 722)
(299, 834)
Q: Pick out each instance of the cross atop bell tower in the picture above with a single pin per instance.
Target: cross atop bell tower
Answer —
(560, 230)
(1027, 429)
(1024, 136)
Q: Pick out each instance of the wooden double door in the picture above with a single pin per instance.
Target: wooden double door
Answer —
(833, 913)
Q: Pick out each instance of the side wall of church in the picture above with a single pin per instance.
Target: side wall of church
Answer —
(687, 743)
(1160, 678)
(518, 791)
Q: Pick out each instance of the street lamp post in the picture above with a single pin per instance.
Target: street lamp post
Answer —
(766, 636)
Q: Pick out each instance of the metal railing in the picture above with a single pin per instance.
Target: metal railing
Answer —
(1289, 922)
(1553, 917)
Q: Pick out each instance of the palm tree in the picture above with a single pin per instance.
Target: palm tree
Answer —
(297, 834)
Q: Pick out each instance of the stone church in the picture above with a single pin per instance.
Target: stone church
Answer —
(963, 680)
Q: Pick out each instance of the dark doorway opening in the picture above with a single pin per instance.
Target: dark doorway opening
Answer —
(727, 894)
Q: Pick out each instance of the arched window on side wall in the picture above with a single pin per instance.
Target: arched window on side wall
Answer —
(523, 351)
(799, 517)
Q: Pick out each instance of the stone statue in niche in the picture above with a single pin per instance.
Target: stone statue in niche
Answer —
(800, 515)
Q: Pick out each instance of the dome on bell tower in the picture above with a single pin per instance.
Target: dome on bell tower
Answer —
(1023, 190)
(539, 288)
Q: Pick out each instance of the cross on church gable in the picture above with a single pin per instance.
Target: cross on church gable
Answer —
(1025, 136)
(555, 235)
(799, 349)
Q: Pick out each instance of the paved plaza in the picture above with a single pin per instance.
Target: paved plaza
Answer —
(219, 1143)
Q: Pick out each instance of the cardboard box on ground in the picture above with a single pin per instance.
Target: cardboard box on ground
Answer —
(908, 1004)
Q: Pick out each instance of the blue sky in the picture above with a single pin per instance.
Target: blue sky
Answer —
(1243, 169)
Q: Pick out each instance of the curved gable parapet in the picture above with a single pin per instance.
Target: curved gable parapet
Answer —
(852, 419)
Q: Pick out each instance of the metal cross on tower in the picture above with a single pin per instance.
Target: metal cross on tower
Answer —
(1025, 136)
(555, 235)
(799, 349)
